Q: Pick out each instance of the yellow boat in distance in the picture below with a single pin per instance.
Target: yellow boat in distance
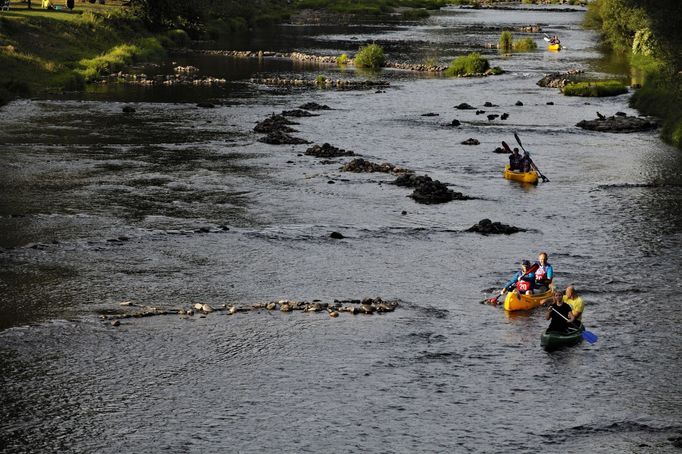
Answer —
(554, 47)
(522, 177)
(516, 302)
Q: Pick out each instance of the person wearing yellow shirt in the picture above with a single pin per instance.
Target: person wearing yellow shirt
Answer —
(572, 298)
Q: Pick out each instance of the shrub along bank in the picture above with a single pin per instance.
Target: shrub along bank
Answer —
(648, 33)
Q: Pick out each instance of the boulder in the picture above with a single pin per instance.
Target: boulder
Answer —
(336, 236)
(518, 103)
(128, 109)
(618, 124)
(471, 141)
(504, 116)
(464, 106)
(487, 227)
(427, 190)
(455, 122)
(430, 114)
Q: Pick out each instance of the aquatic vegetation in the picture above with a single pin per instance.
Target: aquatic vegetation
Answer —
(370, 56)
(342, 59)
(415, 14)
(525, 44)
(320, 79)
(468, 65)
(506, 41)
(598, 88)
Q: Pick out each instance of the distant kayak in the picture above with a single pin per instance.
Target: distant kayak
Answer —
(515, 302)
(552, 340)
(522, 177)
(554, 46)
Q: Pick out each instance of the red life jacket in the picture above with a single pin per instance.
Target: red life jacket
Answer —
(523, 286)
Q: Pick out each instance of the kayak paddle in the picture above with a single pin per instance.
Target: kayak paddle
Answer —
(589, 336)
(544, 178)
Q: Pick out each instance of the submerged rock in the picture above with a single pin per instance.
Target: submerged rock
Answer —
(297, 113)
(327, 151)
(464, 106)
(487, 227)
(314, 106)
(500, 150)
(617, 124)
(471, 141)
(455, 122)
(360, 165)
(430, 114)
(336, 236)
(128, 109)
(281, 138)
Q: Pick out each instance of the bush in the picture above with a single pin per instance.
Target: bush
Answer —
(525, 44)
(178, 37)
(467, 65)
(597, 88)
(370, 56)
(342, 59)
(505, 41)
(320, 79)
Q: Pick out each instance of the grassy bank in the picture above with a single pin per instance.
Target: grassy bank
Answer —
(595, 89)
(54, 50)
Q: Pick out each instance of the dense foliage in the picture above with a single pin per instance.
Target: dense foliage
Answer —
(370, 56)
(649, 32)
(467, 65)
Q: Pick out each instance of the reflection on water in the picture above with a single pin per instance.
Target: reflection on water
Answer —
(175, 205)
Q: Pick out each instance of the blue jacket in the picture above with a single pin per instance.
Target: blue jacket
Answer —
(511, 283)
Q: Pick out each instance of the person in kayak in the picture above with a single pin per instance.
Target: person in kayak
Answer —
(526, 162)
(575, 302)
(544, 274)
(523, 280)
(558, 312)
(554, 40)
(515, 161)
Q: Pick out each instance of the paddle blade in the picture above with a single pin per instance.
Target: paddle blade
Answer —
(506, 147)
(589, 336)
(516, 136)
(546, 39)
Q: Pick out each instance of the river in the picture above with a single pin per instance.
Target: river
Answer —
(99, 207)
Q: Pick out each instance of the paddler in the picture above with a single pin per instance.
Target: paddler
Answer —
(544, 274)
(559, 313)
(522, 282)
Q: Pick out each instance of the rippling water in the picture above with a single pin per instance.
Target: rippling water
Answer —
(99, 207)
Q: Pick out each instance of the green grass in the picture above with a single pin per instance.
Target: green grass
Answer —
(468, 65)
(119, 57)
(415, 14)
(597, 88)
(342, 60)
(524, 45)
(506, 41)
(370, 56)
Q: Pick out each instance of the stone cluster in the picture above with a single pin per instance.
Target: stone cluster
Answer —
(618, 123)
(327, 151)
(559, 80)
(487, 227)
(367, 306)
(359, 165)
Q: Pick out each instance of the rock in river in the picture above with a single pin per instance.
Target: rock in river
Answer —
(275, 123)
(617, 124)
(471, 141)
(464, 106)
(314, 106)
(327, 151)
(487, 227)
(281, 138)
(427, 190)
(360, 165)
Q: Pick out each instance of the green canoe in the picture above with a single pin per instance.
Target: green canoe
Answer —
(552, 340)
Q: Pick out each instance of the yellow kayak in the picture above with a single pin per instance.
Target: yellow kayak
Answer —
(554, 46)
(523, 177)
(514, 302)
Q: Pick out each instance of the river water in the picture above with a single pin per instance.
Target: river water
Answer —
(100, 207)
